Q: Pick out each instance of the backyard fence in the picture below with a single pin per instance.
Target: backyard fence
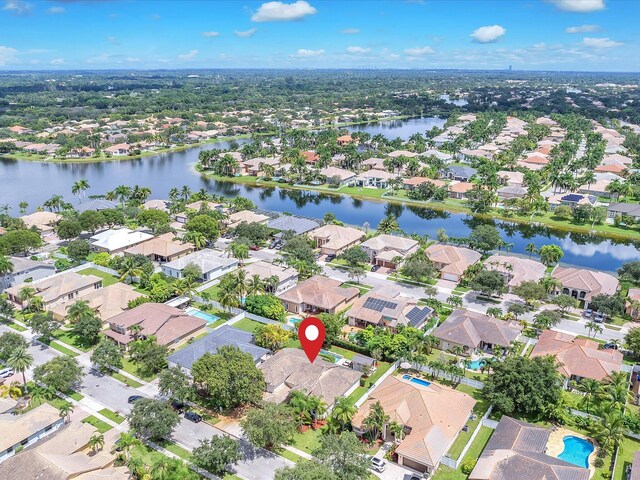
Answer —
(392, 369)
(484, 422)
(465, 381)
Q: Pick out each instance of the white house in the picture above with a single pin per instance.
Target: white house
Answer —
(210, 262)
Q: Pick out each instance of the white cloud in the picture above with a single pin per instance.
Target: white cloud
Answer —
(17, 7)
(58, 61)
(245, 33)
(113, 40)
(358, 50)
(488, 34)
(350, 31)
(600, 42)
(7, 54)
(55, 10)
(210, 34)
(283, 12)
(583, 29)
(190, 55)
(418, 51)
(539, 46)
(133, 59)
(305, 53)
(578, 5)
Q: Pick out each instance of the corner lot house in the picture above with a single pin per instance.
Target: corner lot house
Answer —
(287, 277)
(117, 240)
(24, 268)
(318, 294)
(163, 248)
(451, 261)
(515, 270)
(383, 249)
(583, 284)
(64, 287)
(579, 357)
(335, 239)
(432, 417)
(225, 335)
(475, 331)
(290, 369)
(212, 264)
(107, 302)
(25, 429)
(517, 447)
(387, 310)
(170, 325)
(43, 221)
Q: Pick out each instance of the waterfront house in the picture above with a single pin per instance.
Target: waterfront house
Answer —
(115, 241)
(245, 216)
(630, 209)
(337, 176)
(344, 140)
(335, 239)
(460, 173)
(96, 204)
(293, 223)
(318, 294)
(584, 284)
(452, 261)
(119, 149)
(374, 178)
(413, 182)
(44, 222)
(384, 249)
(515, 270)
(255, 165)
(459, 190)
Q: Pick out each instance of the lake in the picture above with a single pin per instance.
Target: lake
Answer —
(35, 182)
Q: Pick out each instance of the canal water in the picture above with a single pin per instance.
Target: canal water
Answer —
(35, 182)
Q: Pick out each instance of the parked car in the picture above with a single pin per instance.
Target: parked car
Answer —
(416, 476)
(587, 313)
(378, 464)
(255, 248)
(6, 372)
(134, 398)
(330, 258)
(598, 317)
(610, 346)
(177, 405)
(193, 416)
(375, 268)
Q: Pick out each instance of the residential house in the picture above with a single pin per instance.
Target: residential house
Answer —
(578, 358)
(118, 240)
(511, 191)
(310, 157)
(362, 363)
(633, 299)
(516, 270)
(460, 173)
(476, 331)
(292, 223)
(83, 152)
(411, 183)
(23, 430)
(318, 294)
(119, 149)
(44, 222)
(171, 326)
(386, 308)
(246, 216)
(335, 239)
(65, 456)
(337, 176)
(289, 369)
(26, 269)
(432, 416)
(255, 165)
(518, 449)
(286, 277)
(156, 205)
(459, 190)
(571, 200)
(58, 288)
(599, 188)
(344, 140)
(384, 249)
(374, 163)
(107, 302)
(183, 217)
(584, 284)
(375, 178)
(224, 336)
(211, 263)
(630, 209)
(163, 248)
(617, 168)
(97, 205)
(452, 261)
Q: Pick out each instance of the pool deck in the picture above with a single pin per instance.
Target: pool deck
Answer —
(555, 445)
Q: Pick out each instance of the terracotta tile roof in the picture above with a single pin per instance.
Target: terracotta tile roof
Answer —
(108, 301)
(386, 241)
(464, 327)
(578, 356)
(166, 245)
(337, 237)
(521, 269)
(611, 167)
(455, 259)
(319, 291)
(590, 281)
(435, 415)
(460, 187)
(415, 181)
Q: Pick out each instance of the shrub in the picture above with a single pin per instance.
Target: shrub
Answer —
(598, 462)
(468, 465)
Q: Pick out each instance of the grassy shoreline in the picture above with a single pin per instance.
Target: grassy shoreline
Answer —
(372, 194)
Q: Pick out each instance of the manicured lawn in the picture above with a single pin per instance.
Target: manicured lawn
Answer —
(290, 455)
(213, 292)
(247, 325)
(130, 367)
(113, 416)
(75, 395)
(447, 473)
(625, 457)
(176, 449)
(348, 354)
(106, 278)
(479, 410)
(307, 441)
(360, 391)
(13, 325)
(125, 380)
(69, 338)
(363, 288)
(99, 424)
(60, 348)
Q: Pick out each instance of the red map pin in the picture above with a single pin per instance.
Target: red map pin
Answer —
(311, 334)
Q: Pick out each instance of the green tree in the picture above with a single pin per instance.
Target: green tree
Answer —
(564, 302)
(344, 455)
(21, 360)
(43, 325)
(192, 272)
(268, 306)
(485, 238)
(90, 220)
(306, 470)
(152, 419)
(272, 337)
(175, 383)
(87, 329)
(270, 426)
(217, 454)
(388, 224)
(546, 319)
(79, 310)
(78, 250)
(333, 324)
(61, 373)
(230, 377)
(204, 224)
(342, 413)
(9, 343)
(530, 291)
(550, 254)
(106, 356)
(632, 340)
(488, 282)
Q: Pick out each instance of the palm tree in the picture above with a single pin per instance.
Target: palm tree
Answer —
(11, 391)
(79, 187)
(610, 430)
(593, 328)
(96, 442)
(343, 411)
(135, 330)
(136, 466)
(397, 430)
(80, 310)
(590, 388)
(455, 301)
(228, 298)
(388, 224)
(198, 239)
(127, 441)
(6, 267)
(239, 251)
(23, 207)
(428, 343)
(26, 294)
(129, 269)
(531, 249)
(65, 410)
(255, 286)
(21, 360)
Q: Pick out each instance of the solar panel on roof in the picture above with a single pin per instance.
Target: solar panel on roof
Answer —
(418, 315)
(378, 305)
(572, 198)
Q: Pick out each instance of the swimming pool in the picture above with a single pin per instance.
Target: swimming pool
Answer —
(335, 356)
(419, 381)
(576, 451)
(203, 315)
(475, 364)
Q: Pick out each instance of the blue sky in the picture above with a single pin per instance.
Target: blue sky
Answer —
(585, 35)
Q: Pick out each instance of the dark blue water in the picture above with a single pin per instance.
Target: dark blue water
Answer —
(400, 128)
(35, 182)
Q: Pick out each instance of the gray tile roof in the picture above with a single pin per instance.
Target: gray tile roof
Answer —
(222, 336)
(97, 204)
(625, 208)
(290, 222)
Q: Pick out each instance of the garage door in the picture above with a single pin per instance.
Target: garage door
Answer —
(415, 465)
(450, 276)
